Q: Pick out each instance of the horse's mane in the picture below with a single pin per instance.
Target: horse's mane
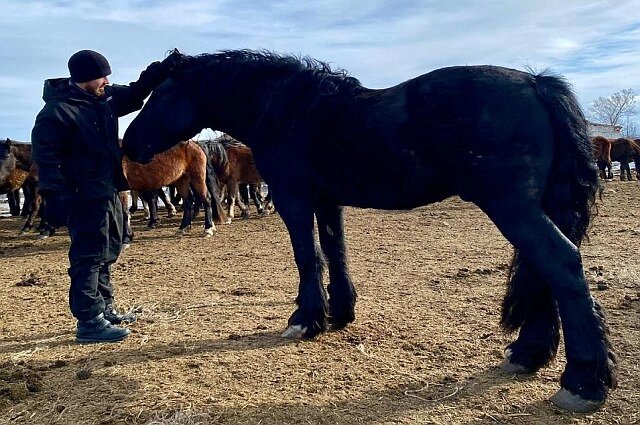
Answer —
(228, 141)
(257, 60)
(262, 58)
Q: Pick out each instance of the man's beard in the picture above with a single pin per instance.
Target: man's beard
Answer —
(99, 92)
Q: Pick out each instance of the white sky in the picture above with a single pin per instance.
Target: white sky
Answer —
(594, 44)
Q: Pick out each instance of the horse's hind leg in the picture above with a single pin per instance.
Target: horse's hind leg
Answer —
(243, 206)
(201, 189)
(342, 294)
(182, 186)
(529, 306)
(590, 368)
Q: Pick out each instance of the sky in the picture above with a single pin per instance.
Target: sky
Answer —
(594, 44)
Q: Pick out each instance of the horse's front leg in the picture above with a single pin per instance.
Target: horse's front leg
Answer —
(36, 201)
(310, 318)
(152, 203)
(342, 294)
(254, 190)
(243, 206)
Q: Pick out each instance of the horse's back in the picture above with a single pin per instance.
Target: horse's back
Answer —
(451, 131)
(621, 148)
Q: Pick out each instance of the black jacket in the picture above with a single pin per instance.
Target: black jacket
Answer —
(75, 137)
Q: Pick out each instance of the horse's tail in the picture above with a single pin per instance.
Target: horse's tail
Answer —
(217, 210)
(212, 154)
(569, 197)
(635, 144)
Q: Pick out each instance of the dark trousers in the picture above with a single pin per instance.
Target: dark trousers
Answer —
(95, 228)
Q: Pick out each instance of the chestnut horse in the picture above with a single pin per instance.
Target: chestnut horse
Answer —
(624, 151)
(183, 165)
(322, 141)
(233, 164)
(602, 155)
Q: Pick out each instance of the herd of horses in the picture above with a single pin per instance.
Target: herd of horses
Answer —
(622, 150)
(323, 141)
(218, 174)
(208, 174)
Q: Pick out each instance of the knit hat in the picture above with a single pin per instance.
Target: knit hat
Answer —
(87, 65)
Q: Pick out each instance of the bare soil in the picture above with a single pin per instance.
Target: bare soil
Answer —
(207, 345)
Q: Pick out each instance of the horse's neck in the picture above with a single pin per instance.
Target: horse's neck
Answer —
(22, 153)
(248, 102)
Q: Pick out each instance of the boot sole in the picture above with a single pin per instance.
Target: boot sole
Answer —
(96, 341)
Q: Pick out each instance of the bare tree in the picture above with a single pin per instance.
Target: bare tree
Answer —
(610, 110)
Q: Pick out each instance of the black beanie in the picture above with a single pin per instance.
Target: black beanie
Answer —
(87, 65)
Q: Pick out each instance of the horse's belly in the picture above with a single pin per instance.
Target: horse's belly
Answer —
(391, 195)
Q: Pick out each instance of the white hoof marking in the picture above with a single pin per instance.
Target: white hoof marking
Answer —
(295, 332)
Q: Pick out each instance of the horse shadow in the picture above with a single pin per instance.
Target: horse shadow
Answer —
(388, 405)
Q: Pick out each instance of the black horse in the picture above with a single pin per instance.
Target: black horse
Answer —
(514, 143)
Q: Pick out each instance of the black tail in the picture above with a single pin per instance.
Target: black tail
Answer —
(569, 198)
(213, 154)
(636, 156)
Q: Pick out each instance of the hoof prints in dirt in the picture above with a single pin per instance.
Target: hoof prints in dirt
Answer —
(32, 280)
(18, 380)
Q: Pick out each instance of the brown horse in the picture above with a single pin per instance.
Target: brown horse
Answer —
(602, 154)
(17, 170)
(183, 165)
(624, 151)
(233, 164)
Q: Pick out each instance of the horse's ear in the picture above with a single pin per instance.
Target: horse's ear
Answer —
(175, 58)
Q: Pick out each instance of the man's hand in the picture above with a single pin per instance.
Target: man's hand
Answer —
(57, 207)
(158, 71)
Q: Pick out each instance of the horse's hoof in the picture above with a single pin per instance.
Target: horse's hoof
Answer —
(207, 233)
(566, 400)
(125, 245)
(43, 236)
(295, 332)
(227, 221)
(507, 366)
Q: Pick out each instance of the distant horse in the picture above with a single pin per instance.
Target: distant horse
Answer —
(17, 170)
(180, 165)
(624, 151)
(322, 140)
(234, 165)
(602, 154)
(10, 184)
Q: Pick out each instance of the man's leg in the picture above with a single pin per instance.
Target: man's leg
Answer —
(115, 228)
(88, 229)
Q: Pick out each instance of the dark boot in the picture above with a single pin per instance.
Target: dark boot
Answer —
(112, 315)
(99, 329)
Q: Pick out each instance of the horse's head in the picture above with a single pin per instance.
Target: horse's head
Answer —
(173, 113)
(5, 149)
(7, 160)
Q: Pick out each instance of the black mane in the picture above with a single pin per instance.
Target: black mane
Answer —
(263, 60)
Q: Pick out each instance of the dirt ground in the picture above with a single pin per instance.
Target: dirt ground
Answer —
(207, 346)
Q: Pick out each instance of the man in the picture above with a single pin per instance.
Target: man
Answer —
(75, 144)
